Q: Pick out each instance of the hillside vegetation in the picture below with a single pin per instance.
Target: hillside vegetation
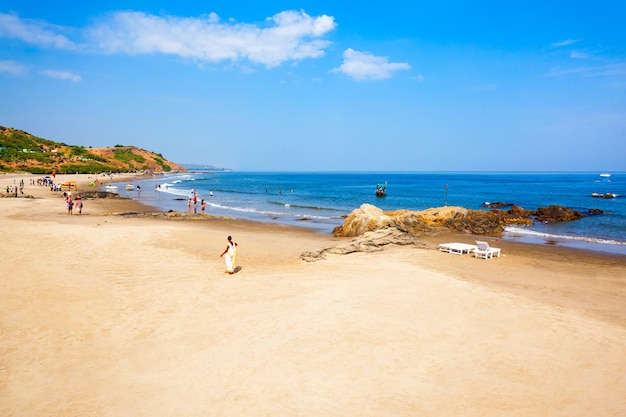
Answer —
(21, 151)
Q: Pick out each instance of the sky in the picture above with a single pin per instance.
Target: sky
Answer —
(320, 85)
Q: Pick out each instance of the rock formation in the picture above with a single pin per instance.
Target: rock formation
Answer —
(606, 195)
(99, 194)
(496, 205)
(370, 241)
(368, 218)
(371, 229)
(557, 214)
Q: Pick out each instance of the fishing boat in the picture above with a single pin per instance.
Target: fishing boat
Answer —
(381, 190)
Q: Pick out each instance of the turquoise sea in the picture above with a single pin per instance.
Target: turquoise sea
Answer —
(320, 200)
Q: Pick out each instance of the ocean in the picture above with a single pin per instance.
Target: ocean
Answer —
(320, 200)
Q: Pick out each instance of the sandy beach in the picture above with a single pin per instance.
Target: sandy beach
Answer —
(108, 315)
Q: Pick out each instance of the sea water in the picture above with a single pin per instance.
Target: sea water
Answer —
(321, 200)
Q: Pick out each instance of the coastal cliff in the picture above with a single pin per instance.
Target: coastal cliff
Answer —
(21, 151)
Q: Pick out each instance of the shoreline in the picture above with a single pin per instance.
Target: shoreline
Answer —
(129, 204)
(108, 315)
(516, 234)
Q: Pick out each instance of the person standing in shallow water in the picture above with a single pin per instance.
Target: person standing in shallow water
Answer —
(231, 255)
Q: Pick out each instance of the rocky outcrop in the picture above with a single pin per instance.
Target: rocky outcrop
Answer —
(496, 205)
(362, 220)
(99, 194)
(370, 241)
(518, 212)
(493, 222)
(557, 214)
(478, 222)
(13, 195)
(371, 229)
(368, 218)
(171, 215)
(606, 195)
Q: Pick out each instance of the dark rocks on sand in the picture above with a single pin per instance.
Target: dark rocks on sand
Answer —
(556, 213)
(100, 194)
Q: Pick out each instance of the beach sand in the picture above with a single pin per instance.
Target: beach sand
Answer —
(105, 315)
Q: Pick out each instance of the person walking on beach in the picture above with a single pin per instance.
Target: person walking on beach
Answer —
(79, 205)
(70, 206)
(231, 255)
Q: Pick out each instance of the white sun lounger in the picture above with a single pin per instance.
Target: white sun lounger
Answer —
(485, 251)
(457, 248)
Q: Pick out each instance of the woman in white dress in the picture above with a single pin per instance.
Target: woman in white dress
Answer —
(231, 255)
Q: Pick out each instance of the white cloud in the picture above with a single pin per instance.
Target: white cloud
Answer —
(566, 42)
(578, 55)
(12, 67)
(33, 32)
(365, 66)
(63, 75)
(289, 35)
(617, 70)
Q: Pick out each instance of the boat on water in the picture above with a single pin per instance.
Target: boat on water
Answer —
(381, 190)
(605, 174)
(130, 187)
(110, 187)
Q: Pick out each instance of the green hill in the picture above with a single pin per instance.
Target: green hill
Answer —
(21, 151)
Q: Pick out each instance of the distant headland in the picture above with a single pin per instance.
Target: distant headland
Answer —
(22, 152)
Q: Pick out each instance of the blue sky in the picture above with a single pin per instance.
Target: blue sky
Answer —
(323, 85)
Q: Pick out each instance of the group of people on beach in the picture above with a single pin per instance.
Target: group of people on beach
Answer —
(71, 203)
(192, 203)
(13, 190)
